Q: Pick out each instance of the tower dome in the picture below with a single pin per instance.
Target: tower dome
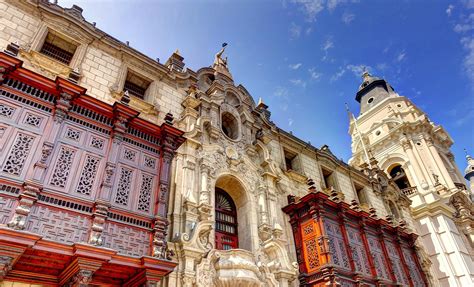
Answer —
(372, 91)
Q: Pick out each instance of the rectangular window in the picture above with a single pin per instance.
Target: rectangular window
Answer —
(328, 177)
(360, 194)
(291, 160)
(136, 85)
(57, 48)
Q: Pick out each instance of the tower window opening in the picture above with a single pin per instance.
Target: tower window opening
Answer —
(226, 221)
(370, 100)
(399, 176)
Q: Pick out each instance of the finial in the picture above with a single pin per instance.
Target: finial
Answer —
(260, 101)
(468, 157)
(177, 52)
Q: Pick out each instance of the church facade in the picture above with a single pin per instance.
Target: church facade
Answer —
(415, 153)
(188, 185)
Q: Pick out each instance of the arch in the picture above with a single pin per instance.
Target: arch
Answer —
(236, 191)
(226, 221)
(398, 175)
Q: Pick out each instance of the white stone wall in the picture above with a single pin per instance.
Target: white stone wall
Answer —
(16, 25)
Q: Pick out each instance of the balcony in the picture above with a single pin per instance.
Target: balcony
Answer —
(409, 191)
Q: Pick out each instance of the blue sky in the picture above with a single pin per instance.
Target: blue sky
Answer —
(305, 57)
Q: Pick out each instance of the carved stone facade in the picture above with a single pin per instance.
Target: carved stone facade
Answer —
(108, 173)
(415, 153)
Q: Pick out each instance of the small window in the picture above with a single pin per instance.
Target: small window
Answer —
(370, 100)
(361, 194)
(57, 48)
(291, 160)
(136, 85)
(377, 133)
(328, 177)
(230, 126)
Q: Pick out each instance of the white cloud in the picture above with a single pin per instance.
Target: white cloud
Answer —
(347, 17)
(308, 30)
(329, 44)
(449, 10)
(332, 4)
(295, 66)
(290, 122)
(401, 56)
(298, 82)
(382, 66)
(281, 92)
(358, 70)
(468, 62)
(311, 8)
(315, 75)
(338, 75)
(295, 31)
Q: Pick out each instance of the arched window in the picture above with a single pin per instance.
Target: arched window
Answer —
(226, 221)
(399, 177)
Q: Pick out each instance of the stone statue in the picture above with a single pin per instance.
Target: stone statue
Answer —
(218, 60)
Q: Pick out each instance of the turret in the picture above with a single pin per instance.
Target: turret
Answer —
(372, 91)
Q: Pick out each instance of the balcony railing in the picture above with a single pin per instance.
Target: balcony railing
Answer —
(409, 191)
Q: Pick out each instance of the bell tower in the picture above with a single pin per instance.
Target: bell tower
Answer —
(415, 153)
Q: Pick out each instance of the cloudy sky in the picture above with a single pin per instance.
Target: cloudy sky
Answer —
(305, 57)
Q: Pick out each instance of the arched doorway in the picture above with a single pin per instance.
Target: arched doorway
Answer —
(398, 175)
(226, 221)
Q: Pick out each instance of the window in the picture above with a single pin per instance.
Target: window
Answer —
(291, 160)
(361, 194)
(370, 100)
(328, 177)
(57, 48)
(136, 85)
(226, 221)
(230, 126)
(399, 177)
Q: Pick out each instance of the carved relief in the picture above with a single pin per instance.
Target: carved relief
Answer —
(18, 154)
(88, 174)
(63, 166)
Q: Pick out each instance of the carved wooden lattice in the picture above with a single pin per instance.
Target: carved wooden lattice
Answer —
(413, 267)
(379, 259)
(127, 240)
(58, 224)
(33, 120)
(63, 166)
(6, 111)
(310, 245)
(397, 266)
(145, 193)
(337, 246)
(88, 174)
(7, 207)
(358, 251)
(123, 187)
(18, 154)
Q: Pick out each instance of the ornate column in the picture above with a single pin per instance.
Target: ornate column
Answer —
(438, 162)
(170, 140)
(417, 172)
